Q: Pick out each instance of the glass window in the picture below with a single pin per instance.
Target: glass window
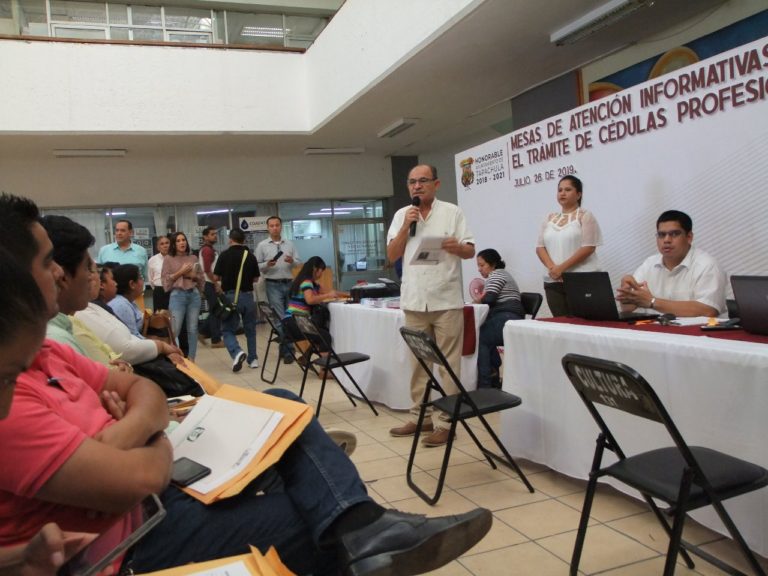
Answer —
(119, 33)
(190, 37)
(187, 18)
(79, 33)
(118, 14)
(146, 34)
(262, 29)
(301, 31)
(5, 9)
(33, 18)
(80, 12)
(146, 16)
(346, 209)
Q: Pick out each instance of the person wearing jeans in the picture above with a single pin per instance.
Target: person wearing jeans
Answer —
(502, 295)
(277, 258)
(183, 278)
(238, 271)
(208, 258)
(184, 305)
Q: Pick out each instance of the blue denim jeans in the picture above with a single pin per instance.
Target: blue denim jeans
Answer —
(213, 323)
(185, 305)
(278, 294)
(247, 311)
(491, 336)
(318, 483)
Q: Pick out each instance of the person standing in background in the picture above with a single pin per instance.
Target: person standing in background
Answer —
(277, 271)
(208, 257)
(183, 278)
(123, 250)
(237, 261)
(567, 243)
(155, 266)
(431, 296)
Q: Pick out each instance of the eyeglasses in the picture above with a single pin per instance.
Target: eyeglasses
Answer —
(671, 233)
(422, 181)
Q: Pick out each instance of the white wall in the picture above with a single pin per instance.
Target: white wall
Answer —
(54, 87)
(130, 181)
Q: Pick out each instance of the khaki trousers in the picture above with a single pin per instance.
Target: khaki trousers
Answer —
(447, 328)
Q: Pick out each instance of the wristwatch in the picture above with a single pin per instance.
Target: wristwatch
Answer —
(653, 303)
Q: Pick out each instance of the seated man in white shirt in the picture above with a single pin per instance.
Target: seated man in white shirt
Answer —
(680, 280)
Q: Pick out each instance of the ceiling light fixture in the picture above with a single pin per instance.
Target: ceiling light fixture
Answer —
(89, 153)
(601, 17)
(398, 126)
(220, 211)
(333, 151)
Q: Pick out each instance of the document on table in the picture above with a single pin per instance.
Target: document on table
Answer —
(223, 435)
(429, 251)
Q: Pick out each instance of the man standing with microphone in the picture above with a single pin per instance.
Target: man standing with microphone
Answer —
(431, 296)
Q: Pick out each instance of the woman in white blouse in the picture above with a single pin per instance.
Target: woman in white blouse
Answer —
(567, 242)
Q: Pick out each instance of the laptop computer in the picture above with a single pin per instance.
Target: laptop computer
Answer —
(751, 293)
(590, 296)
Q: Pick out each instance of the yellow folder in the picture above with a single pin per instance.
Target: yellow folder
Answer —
(296, 417)
(257, 564)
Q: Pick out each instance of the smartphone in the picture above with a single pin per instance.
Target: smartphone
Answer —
(186, 471)
(101, 552)
(277, 256)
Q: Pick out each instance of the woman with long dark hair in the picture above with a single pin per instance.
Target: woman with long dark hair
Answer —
(503, 298)
(183, 278)
(307, 299)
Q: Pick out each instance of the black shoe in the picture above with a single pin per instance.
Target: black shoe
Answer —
(400, 544)
(288, 359)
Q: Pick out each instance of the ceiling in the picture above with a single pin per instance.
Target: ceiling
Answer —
(458, 85)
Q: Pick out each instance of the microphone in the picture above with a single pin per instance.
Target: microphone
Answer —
(415, 202)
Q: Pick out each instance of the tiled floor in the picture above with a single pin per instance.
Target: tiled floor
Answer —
(532, 534)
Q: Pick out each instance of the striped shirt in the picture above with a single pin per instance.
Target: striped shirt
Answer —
(297, 304)
(501, 292)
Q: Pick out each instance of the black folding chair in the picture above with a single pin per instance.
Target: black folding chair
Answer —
(531, 303)
(459, 407)
(327, 360)
(276, 336)
(684, 477)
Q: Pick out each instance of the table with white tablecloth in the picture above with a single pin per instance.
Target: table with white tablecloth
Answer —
(376, 332)
(716, 392)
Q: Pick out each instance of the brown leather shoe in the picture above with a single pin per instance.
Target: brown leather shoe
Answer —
(409, 429)
(219, 344)
(438, 438)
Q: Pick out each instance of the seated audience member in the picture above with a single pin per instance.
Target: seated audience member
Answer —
(87, 447)
(503, 298)
(680, 280)
(22, 329)
(76, 288)
(130, 285)
(307, 299)
(99, 318)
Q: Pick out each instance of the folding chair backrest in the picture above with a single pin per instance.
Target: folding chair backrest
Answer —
(620, 387)
(310, 332)
(422, 345)
(612, 384)
(269, 313)
(428, 353)
(531, 303)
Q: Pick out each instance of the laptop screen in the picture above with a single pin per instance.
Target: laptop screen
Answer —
(751, 293)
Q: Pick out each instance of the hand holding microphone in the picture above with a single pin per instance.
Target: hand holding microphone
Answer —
(416, 201)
